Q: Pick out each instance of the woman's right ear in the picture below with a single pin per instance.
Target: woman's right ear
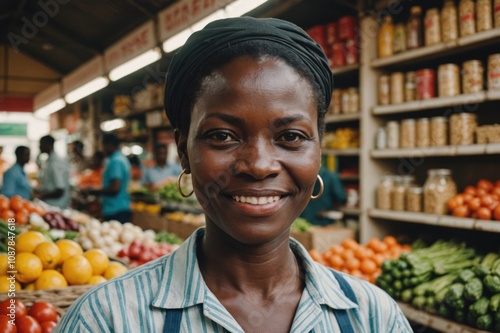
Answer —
(181, 142)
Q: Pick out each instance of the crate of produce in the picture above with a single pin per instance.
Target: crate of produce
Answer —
(147, 221)
(322, 238)
(183, 225)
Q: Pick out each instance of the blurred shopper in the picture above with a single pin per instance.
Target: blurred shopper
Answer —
(162, 172)
(16, 181)
(135, 167)
(78, 161)
(333, 195)
(54, 182)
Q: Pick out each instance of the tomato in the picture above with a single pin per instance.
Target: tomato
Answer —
(486, 200)
(16, 203)
(496, 191)
(467, 197)
(5, 326)
(496, 213)
(28, 324)
(43, 311)
(4, 203)
(48, 326)
(461, 211)
(481, 191)
(497, 183)
(474, 204)
(146, 255)
(134, 250)
(485, 184)
(484, 213)
(17, 306)
(455, 202)
(470, 190)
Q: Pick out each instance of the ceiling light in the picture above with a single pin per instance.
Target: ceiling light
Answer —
(220, 14)
(50, 108)
(177, 40)
(135, 64)
(136, 150)
(111, 125)
(126, 150)
(87, 89)
(241, 7)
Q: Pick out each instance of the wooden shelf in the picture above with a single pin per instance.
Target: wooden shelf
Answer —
(435, 322)
(341, 152)
(437, 220)
(442, 49)
(351, 211)
(342, 118)
(349, 177)
(349, 69)
(462, 150)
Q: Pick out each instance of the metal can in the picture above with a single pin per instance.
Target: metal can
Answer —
(353, 100)
(345, 101)
(462, 128)
(423, 133)
(381, 138)
(407, 133)
(497, 13)
(448, 80)
(392, 135)
(449, 21)
(384, 90)
(318, 33)
(410, 86)
(484, 15)
(472, 77)
(494, 72)
(397, 87)
(439, 131)
(347, 27)
(351, 52)
(336, 104)
(432, 26)
(331, 33)
(426, 84)
(337, 55)
(466, 12)
(399, 38)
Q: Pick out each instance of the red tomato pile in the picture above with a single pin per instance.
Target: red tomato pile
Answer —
(17, 208)
(42, 317)
(138, 253)
(480, 202)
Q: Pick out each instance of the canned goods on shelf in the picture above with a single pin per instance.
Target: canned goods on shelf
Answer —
(426, 84)
(467, 14)
(397, 88)
(448, 80)
(496, 9)
(423, 136)
(384, 90)
(407, 133)
(439, 131)
(432, 26)
(353, 100)
(410, 86)
(462, 128)
(484, 15)
(449, 21)
(331, 33)
(399, 38)
(392, 135)
(347, 27)
(336, 103)
(472, 77)
(494, 72)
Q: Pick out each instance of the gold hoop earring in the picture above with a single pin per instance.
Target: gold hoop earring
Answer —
(321, 188)
(179, 185)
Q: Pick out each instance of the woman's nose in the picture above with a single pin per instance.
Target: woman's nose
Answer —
(257, 159)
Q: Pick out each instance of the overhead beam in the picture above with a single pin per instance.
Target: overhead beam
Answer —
(17, 14)
(141, 8)
(63, 35)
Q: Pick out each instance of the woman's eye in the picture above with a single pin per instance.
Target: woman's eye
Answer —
(221, 136)
(291, 137)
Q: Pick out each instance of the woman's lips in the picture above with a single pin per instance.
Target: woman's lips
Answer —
(253, 200)
(257, 205)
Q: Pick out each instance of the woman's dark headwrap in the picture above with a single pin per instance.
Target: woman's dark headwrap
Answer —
(221, 34)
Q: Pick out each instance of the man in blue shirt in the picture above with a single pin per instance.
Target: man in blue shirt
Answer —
(115, 197)
(15, 180)
(163, 172)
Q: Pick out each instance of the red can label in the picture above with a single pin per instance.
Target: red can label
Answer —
(318, 33)
(351, 52)
(331, 33)
(337, 55)
(347, 27)
(426, 84)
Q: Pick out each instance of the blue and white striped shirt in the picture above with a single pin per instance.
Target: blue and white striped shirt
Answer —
(138, 300)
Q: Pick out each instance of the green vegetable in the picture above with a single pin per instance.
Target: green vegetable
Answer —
(480, 307)
(444, 311)
(481, 270)
(473, 289)
(387, 266)
(398, 285)
(495, 302)
(406, 295)
(495, 268)
(301, 225)
(485, 322)
(465, 275)
(459, 316)
(492, 283)
(419, 302)
(167, 237)
(454, 296)
(490, 260)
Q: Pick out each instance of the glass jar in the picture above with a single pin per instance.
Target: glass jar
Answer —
(496, 8)
(472, 77)
(408, 133)
(397, 88)
(399, 38)
(414, 199)
(439, 131)
(439, 188)
(484, 15)
(414, 38)
(494, 71)
(386, 38)
(384, 90)
(467, 14)
(336, 101)
(462, 128)
(398, 195)
(448, 80)
(345, 101)
(353, 104)
(423, 132)
(432, 27)
(381, 138)
(384, 190)
(449, 21)
(410, 86)
(392, 135)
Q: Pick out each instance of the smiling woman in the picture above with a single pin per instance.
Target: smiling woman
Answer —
(247, 98)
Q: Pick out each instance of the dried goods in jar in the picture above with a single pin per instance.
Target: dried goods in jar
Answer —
(462, 128)
(426, 84)
(345, 101)
(353, 100)
(410, 86)
(398, 195)
(494, 72)
(381, 138)
(432, 27)
(414, 199)
(449, 21)
(439, 131)
(448, 80)
(397, 88)
(386, 38)
(423, 132)
(496, 13)
(399, 38)
(392, 135)
(414, 34)
(439, 188)
(467, 14)
(336, 103)
(384, 190)
(484, 15)
(384, 90)
(472, 77)
(407, 133)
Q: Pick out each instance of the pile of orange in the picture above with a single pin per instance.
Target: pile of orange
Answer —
(42, 264)
(17, 208)
(363, 261)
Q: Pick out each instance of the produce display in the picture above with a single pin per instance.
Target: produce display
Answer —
(300, 225)
(480, 201)
(41, 317)
(363, 261)
(448, 279)
(138, 253)
(342, 138)
(18, 209)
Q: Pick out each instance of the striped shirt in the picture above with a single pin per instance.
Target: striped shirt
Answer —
(137, 301)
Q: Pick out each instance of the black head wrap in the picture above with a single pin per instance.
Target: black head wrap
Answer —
(221, 34)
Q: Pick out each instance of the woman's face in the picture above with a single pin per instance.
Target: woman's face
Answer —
(253, 148)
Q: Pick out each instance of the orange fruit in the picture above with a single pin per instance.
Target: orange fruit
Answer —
(390, 240)
(346, 254)
(7, 215)
(368, 266)
(50, 279)
(5, 284)
(98, 260)
(77, 270)
(360, 253)
(378, 258)
(68, 248)
(335, 261)
(336, 249)
(96, 279)
(349, 243)
(4, 263)
(315, 255)
(352, 263)
(28, 267)
(28, 241)
(29, 286)
(114, 269)
(16, 203)
(49, 254)
(357, 273)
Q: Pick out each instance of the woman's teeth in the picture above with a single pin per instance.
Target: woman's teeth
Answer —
(256, 200)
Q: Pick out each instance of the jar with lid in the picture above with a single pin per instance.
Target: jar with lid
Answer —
(353, 104)
(398, 194)
(494, 71)
(439, 188)
(384, 191)
(426, 84)
(399, 38)
(462, 128)
(414, 199)
(345, 101)
(439, 131)
(336, 101)
(423, 132)
(449, 21)
(408, 133)
(384, 90)
(432, 27)
(467, 14)
(472, 77)
(397, 87)
(496, 8)
(392, 135)
(484, 15)
(410, 86)
(386, 38)
(381, 138)
(414, 38)
(448, 80)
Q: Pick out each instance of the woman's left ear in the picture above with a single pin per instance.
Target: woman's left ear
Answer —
(181, 142)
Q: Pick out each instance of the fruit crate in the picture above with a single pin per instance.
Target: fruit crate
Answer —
(322, 238)
(150, 221)
(61, 298)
